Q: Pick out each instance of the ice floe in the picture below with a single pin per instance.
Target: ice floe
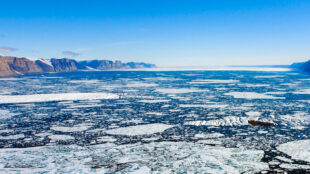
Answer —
(55, 97)
(299, 150)
(140, 129)
(163, 78)
(76, 128)
(179, 90)
(284, 159)
(253, 114)
(211, 81)
(252, 95)
(9, 79)
(276, 92)
(140, 84)
(161, 157)
(153, 101)
(296, 119)
(216, 142)
(304, 91)
(203, 106)
(84, 81)
(106, 139)
(154, 113)
(5, 114)
(150, 139)
(294, 166)
(249, 85)
(269, 76)
(60, 137)
(211, 135)
(226, 121)
(9, 137)
(6, 131)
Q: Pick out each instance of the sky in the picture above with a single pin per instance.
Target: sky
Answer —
(163, 32)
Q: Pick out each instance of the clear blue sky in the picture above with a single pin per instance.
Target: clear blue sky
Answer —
(167, 33)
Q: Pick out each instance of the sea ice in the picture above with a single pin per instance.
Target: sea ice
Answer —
(141, 84)
(253, 114)
(161, 157)
(212, 135)
(11, 137)
(249, 85)
(297, 119)
(211, 81)
(106, 139)
(294, 166)
(203, 106)
(140, 129)
(162, 78)
(210, 141)
(226, 121)
(55, 97)
(304, 91)
(60, 137)
(299, 150)
(252, 95)
(5, 114)
(269, 76)
(9, 79)
(84, 81)
(154, 113)
(76, 128)
(153, 101)
(179, 90)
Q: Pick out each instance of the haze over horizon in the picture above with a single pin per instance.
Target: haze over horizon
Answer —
(166, 33)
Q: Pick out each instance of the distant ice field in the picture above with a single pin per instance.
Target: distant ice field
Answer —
(168, 121)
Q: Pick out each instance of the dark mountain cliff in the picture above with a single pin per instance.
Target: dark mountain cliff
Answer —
(10, 66)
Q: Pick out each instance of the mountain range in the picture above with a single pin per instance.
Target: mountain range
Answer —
(10, 66)
(303, 66)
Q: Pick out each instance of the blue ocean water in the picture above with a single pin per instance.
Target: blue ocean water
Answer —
(155, 122)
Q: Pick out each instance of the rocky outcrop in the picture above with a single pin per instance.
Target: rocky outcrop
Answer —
(10, 66)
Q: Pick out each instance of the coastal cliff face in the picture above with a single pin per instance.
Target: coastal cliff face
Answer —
(64, 65)
(15, 66)
(303, 66)
(10, 66)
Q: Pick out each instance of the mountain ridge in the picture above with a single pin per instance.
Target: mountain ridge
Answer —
(11, 66)
(303, 66)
